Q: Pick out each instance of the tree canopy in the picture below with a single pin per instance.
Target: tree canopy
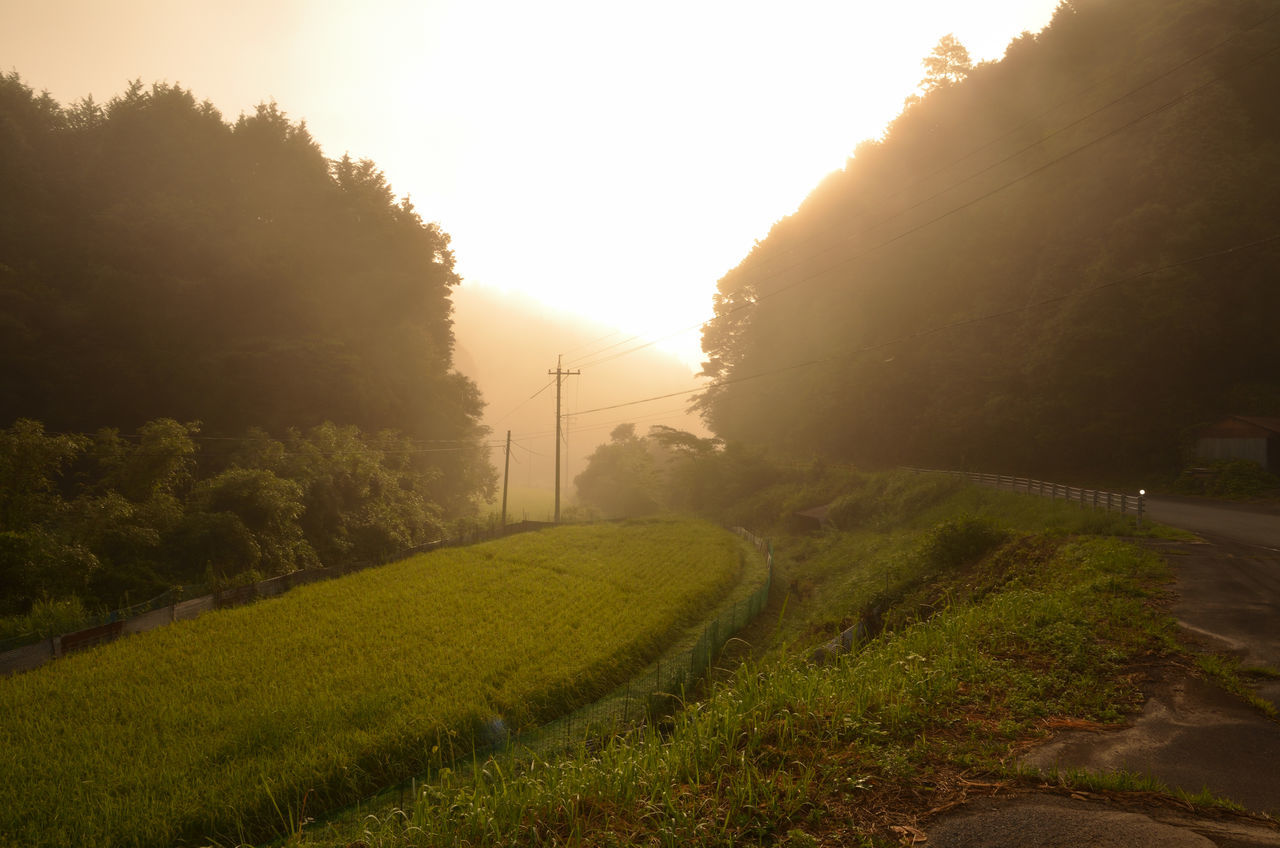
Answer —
(1065, 260)
(103, 518)
(157, 261)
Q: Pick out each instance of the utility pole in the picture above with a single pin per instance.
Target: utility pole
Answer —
(559, 375)
(506, 473)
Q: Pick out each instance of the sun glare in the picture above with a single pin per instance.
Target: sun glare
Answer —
(610, 160)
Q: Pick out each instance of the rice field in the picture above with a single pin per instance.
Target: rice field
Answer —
(236, 725)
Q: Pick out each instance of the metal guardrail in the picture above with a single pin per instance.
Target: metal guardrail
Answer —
(1097, 498)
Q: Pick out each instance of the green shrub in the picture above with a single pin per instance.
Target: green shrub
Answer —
(1229, 478)
(48, 617)
(952, 544)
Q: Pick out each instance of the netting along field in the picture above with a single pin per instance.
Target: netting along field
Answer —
(222, 726)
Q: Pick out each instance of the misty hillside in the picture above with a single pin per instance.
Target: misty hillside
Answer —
(158, 261)
(507, 342)
(1064, 260)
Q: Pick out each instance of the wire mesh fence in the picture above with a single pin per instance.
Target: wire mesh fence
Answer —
(651, 696)
(660, 690)
(26, 651)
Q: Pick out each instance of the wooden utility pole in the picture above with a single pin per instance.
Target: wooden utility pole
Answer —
(559, 375)
(506, 473)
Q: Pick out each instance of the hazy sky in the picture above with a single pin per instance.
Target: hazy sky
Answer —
(611, 159)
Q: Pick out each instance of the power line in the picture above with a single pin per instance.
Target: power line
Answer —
(602, 350)
(592, 343)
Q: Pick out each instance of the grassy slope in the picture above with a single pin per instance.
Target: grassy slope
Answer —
(997, 629)
(207, 727)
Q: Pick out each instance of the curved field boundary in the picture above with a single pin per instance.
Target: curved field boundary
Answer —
(656, 692)
(228, 727)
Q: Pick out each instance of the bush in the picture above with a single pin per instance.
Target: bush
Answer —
(1229, 478)
(48, 617)
(953, 544)
(887, 499)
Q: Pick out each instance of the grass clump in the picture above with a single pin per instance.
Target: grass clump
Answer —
(1232, 676)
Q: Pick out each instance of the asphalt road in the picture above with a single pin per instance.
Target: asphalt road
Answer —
(1239, 523)
(1191, 735)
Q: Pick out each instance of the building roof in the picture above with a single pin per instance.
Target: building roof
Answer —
(1272, 424)
(1242, 427)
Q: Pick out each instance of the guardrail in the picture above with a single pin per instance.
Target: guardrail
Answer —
(1097, 498)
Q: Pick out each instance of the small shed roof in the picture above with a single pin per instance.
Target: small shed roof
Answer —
(1243, 427)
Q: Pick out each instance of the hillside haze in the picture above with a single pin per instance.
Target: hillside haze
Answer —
(1063, 261)
(506, 344)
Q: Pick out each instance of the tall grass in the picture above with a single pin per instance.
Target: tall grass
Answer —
(229, 725)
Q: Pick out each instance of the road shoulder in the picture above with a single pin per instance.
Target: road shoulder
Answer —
(1191, 735)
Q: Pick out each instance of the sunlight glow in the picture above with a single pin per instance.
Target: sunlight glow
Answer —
(610, 160)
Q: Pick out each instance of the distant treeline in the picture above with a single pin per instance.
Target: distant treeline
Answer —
(157, 261)
(1064, 260)
(104, 517)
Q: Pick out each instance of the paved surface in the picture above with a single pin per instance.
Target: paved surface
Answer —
(1191, 735)
(1050, 821)
(1249, 524)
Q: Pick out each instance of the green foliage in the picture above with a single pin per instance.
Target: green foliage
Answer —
(201, 730)
(137, 517)
(160, 465)
(35, 564)
(952, 544)
(1230, 478)
(46, 618)
(888, 499)
(156, 260)
(782, 740)
(621, 478)
(31, 462)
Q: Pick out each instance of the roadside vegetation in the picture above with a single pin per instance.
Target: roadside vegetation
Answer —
(224, 726)
(92, 523)
(994, 618)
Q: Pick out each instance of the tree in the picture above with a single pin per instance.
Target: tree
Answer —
(949, 63)
(924, 306)
(158, 261)
(268, 509)
(621, 479)
(31, 464)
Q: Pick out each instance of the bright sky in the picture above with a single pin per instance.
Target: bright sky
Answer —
(610, 159)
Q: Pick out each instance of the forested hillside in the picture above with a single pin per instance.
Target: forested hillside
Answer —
(157, 261)
(222, 355)
(1063, 260)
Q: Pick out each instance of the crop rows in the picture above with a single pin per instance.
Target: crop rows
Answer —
(232, 725)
